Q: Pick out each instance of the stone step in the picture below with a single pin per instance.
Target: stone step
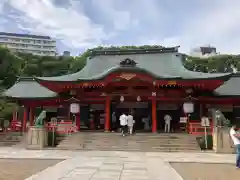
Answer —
(138, 142)
(133, 149)
(10, 139)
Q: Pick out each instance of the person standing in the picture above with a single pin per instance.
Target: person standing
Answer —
(235, 136)
(167, 119)
(130, 123)
(123, 123)
(114, 119)
(146, 121)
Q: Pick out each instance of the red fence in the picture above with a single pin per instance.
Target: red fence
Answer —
(195, 128)
(15, 126)
(67, 127)
(63, 127)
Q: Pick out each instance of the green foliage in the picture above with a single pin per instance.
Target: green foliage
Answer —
(220, 64)
(6, 108)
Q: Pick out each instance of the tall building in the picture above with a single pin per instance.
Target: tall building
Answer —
(66, 53)
(34, 44)
(204, 51)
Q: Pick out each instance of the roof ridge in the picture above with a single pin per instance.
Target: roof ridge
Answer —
(21, 78)
(134, 51)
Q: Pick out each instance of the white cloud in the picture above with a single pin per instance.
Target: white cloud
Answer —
(120, 19)
(215, 22)
(43, 17)
(124, 15)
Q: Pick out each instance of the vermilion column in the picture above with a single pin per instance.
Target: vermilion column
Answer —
(25, 116)
(107, 114)
(31, 116)
(154, 115)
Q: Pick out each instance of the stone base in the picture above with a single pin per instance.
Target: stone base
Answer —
(37, 138)
(222, 142)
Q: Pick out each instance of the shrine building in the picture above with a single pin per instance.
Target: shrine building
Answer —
(149, 83)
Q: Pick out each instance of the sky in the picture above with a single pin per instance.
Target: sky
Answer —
(81, 24)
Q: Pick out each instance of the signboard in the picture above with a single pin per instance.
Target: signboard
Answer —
(205, 122)
(127, 76)
(183, 119)
(97, 106)
(142, 105)
(167, 106)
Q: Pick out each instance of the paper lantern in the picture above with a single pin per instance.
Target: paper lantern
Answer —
(188, 107)
(138, 98)
(74, 108)
(121, 98)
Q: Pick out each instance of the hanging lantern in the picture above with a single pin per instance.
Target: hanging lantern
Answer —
(74, 108)
(121, 98)
(138, 98)
(188, 107)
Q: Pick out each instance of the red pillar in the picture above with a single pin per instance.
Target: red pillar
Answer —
(154, 115)
(78, 121)
(25, 116)
(107, 114)
(31, 116)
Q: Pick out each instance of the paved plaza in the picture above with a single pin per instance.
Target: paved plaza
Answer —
(112, 165)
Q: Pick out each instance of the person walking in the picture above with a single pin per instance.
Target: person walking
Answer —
(235, 136)
(130, 123)
(167, 119)
(123, 123)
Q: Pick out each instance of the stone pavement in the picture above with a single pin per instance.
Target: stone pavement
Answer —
(112, 165)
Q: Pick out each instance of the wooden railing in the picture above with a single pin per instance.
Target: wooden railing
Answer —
(15, 126)
(67, 127)
(195, 128)
(64, 127)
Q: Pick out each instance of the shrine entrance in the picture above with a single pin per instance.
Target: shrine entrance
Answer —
(138, 107)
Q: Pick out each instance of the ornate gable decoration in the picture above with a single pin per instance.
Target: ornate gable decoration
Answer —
(128, 63)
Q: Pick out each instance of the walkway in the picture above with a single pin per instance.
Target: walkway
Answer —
(102, 165)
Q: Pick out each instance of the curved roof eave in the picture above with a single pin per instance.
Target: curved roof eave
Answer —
(27, 88)
(230, 87)
(197, 75)
(113, 70)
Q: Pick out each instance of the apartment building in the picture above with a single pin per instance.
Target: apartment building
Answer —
(26, 43)
(204, 51)
(66, 53)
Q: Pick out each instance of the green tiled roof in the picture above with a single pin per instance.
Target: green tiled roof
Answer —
(28, 88)
(160, 65)
(230, 87)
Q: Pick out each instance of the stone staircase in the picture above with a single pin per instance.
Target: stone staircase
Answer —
(10, 139)
(145, 142)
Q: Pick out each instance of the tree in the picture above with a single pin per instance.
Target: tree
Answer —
(216, 64)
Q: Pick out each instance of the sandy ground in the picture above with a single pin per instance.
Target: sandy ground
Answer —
(202, 171)
(19, 169)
